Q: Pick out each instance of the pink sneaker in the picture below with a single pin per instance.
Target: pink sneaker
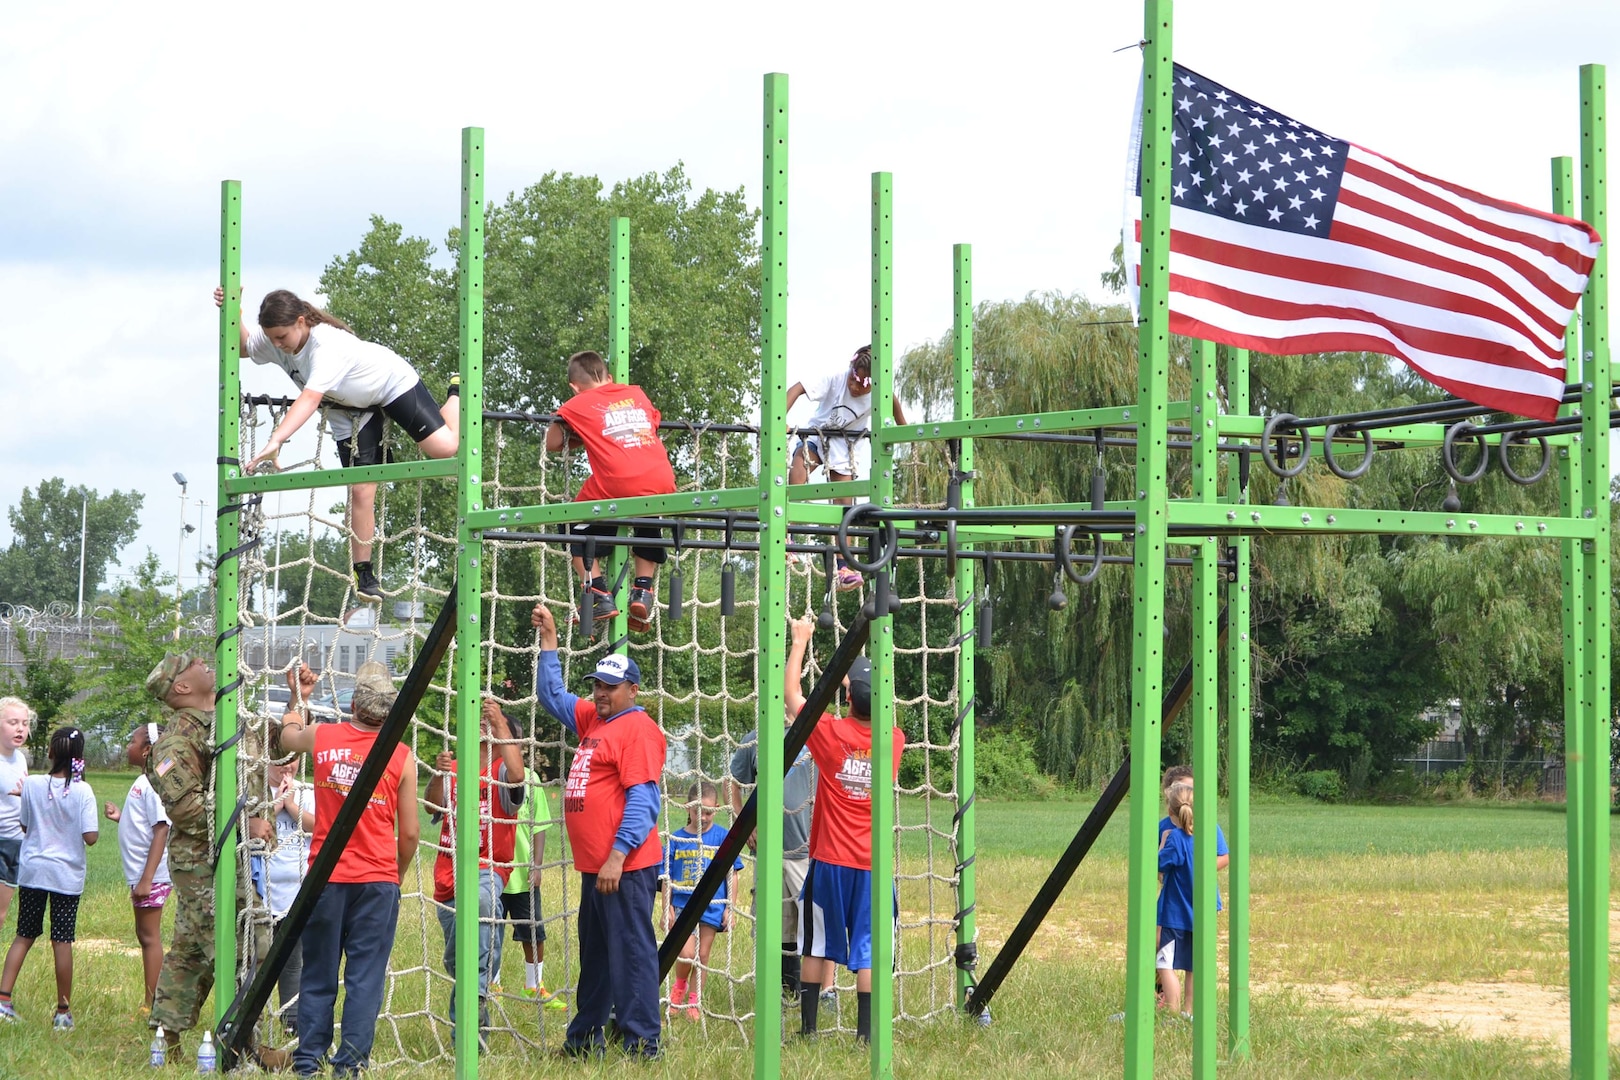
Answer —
(849, 579)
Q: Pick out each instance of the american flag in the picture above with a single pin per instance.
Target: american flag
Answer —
(1286, 240)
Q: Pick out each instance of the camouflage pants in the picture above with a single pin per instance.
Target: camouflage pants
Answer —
(188, 966)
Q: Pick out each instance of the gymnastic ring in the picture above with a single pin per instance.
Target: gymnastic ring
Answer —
(1463, 430)
(1065, 557)
(891, 539)
(1284, 420)
(1510, 437)
(1360, 469)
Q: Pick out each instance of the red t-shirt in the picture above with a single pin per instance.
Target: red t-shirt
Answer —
(611, 759)
(497, 833)
(841, 824)
(371, 853)
(619, 428)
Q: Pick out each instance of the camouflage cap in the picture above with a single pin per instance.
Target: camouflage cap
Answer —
(161, 680)
(374, 692)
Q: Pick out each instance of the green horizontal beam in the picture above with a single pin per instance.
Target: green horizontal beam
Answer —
(838, 489)
(1415, 436)
(685, 502)
(1328, 520)
(320, 478)
(1049, 423)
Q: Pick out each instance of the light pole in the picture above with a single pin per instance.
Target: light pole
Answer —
(180, 553)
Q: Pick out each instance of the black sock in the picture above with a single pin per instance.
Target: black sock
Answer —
(63, 1008)
(599, 583)
(454, 391)
(809, 1001)
(790, 973)
(863, 1015)
(644, 582)
(363, 567)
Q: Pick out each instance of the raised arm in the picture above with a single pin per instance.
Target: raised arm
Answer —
(792, 688)
(297, 736)
(899, 414)
(219, 301)
(795, 392)
(298, 413)
(548, 684)
(500, 731)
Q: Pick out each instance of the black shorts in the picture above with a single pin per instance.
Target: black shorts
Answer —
(415, 411)
(655, 555)
(522, 910)
(31, 914)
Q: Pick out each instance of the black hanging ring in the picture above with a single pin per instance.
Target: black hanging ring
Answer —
(1509, 438)
(1065, 558)
(1360, 468)
(1283, 422)
(890, 539)
(1448, 451)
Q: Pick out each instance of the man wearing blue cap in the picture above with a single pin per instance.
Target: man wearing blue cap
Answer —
(610, 808)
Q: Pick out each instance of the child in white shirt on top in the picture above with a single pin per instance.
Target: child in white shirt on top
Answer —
(143, 842)
(58, 815)
(16, 724)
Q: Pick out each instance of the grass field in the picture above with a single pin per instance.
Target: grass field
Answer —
(1387, 942)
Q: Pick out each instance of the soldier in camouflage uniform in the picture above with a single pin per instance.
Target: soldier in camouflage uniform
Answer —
(179, 769)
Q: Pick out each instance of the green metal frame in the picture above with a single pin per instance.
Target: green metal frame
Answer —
(966, 587)
(227, 534)
(1239, 713)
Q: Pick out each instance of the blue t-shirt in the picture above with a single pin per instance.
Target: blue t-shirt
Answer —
(1176, 894)
(686, 857)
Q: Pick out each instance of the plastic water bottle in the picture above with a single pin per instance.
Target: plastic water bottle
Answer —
(205, 1054)
(160, 1049)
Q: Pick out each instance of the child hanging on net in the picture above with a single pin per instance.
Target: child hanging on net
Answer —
(687, 855)
(618, 427)
(58, 815)
(843, 398)
(143, 841)
(364, 385)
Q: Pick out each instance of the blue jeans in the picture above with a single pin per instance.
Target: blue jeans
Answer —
(355, 920)
(618, 965)
(489, 904)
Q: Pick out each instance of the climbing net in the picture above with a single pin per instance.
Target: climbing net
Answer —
(700, 682)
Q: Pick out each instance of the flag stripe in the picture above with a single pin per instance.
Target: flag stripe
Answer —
(1364, 278)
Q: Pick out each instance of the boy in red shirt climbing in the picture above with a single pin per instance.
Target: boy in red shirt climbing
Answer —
(837, 901)
(618, 427)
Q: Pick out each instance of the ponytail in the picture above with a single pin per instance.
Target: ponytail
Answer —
(67, 755)
(283, 308)
(1181, 807)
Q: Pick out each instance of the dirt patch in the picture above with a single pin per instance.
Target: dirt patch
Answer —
(1479, 1010)
(106, 947)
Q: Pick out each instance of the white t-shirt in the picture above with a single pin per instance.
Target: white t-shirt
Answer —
(12, 769)
(836, 407)
(53, 852)
(143, 812)
(346, 371)
(284, 869)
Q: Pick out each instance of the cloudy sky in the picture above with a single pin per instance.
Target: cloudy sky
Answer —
(1005, 130)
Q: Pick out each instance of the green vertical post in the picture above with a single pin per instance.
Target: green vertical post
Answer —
(612, 559)
(469, 498)
(1239, 715)
(1205, 704)
(1569, 566)
(966, 584)
(882, 644)
(1589, 1050)
(226, 535)
(1150, 533)
(771, 631)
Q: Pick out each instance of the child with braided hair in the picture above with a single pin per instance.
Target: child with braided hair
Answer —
(58, 816)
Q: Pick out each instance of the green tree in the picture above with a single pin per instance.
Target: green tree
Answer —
(47, 684)
(41, 565)
(143, 614)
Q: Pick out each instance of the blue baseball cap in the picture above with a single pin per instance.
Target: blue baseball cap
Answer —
(615, 669)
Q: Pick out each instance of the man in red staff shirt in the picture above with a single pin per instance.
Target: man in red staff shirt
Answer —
(610, 808)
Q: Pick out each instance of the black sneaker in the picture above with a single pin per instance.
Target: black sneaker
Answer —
(603, 610)
(643, 603)
(367, 586)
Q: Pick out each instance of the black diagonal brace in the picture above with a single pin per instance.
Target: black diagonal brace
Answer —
(832, 676)
(1090, 829)
(236, 1029)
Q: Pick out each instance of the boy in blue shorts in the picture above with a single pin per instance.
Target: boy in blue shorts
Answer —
(687, 854)
(837, 901)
